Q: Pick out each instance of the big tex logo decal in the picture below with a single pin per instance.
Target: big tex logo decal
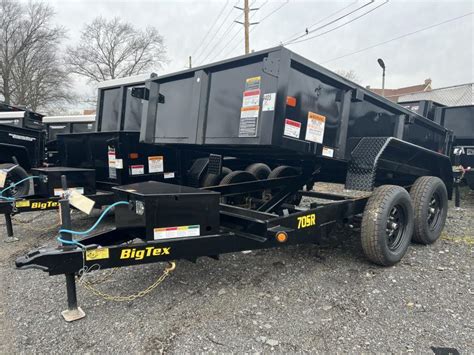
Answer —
(139, 254)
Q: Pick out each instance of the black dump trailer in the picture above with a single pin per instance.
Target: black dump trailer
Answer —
(460, 120)
(256, 136)
(56, 125)
(22, 145)
(426, 108)
(113, 149)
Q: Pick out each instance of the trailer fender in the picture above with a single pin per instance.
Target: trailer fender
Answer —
(377, 161)
(8, 151)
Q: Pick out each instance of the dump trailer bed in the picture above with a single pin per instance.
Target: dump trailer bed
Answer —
(275, 102)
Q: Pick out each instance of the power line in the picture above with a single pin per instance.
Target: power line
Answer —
(323, 19)
(253, 28)
(327, 24)
(217, 31)
(210, 28)
(337, 27)
(399, 37)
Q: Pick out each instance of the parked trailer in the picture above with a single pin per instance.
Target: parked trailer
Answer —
(94, 162)
(63, 125)
(298, 124)
(22, 143)
(460, 120)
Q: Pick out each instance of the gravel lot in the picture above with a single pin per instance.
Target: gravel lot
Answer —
(322, 298)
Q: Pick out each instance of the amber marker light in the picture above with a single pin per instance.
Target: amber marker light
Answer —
(281, 237)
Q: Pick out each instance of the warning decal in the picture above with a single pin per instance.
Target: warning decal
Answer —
(292, 128)
(251, 98)
(177, 232)
(155, 164)
(248, 121)
(137, 169)
(252, 83)
(111, 156)
(315, 127)
(328, 152)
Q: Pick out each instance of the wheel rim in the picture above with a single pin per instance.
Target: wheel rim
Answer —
(396, 225)
(435, 210)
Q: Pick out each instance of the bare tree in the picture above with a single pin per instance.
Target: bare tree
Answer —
(30, 70)
(115, 49)
(349, 75)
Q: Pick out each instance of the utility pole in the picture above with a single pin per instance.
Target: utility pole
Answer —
(246, 9)
(190, 62)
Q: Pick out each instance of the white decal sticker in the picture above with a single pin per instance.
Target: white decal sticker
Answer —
(248, 121)
(328, 152)
(60, 192)
(177, 232)
(315, 127)
(137, 169)
(118, 164)
(251, 98)
(168, 175)
(469, 151)
(155, 164)
(111, 156)
(269, 102)
(292, 128)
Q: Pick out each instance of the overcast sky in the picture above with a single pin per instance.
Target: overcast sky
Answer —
(443, 53)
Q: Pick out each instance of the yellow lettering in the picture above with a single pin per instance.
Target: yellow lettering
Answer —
(306, 221)
(140, 254)
(125, 254)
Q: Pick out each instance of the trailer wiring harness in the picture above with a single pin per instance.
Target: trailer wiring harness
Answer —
(94, 226)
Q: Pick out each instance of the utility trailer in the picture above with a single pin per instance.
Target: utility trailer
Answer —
(94, 162)
(63, 125)
(22, 144)
(460, 120)
(255, 135)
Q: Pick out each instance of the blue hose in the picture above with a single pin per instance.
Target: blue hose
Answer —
(13, 185)
(94, 226)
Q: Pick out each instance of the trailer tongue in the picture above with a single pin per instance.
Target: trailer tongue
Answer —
(253, 135)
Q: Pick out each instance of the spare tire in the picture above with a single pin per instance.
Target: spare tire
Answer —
(15, 174)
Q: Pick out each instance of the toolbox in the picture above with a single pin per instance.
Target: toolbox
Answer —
(168, 211)
(49, 182)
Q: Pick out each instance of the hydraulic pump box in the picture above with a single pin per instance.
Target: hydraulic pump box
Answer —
(49, 182)
(167, 211)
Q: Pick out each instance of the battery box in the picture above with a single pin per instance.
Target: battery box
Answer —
(49, 182)
(167, 211)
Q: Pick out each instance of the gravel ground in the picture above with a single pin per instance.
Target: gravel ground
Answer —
(321, 298)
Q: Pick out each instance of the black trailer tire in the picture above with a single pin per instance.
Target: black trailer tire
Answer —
(286, 171)
(234, 178)
(387, 225)
(14, 175)
(215, 179)
(430, 206)
(259, 170)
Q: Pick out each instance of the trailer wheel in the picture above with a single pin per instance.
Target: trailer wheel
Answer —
(387, 225)
(14, 175)
(259, 170)
(234, 178)
(215, 179)
(286, 171)
(430, 205)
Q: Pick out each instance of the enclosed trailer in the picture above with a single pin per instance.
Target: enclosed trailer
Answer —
(282, 124)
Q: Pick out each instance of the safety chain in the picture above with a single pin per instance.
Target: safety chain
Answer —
(108, 297)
